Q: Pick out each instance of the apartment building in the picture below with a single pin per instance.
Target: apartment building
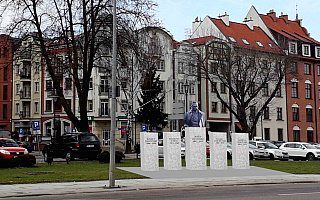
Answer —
(6, 55)
(303, 77)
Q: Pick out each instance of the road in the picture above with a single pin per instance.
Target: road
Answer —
(308, 191)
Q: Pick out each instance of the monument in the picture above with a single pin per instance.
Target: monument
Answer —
(149, 151)
(240, 151)
(172, 150)
(218, 150)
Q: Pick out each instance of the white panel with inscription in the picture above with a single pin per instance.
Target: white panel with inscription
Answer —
(240, 151)
(196, 148)
(149, 151)
(218, 150)
(172, 150)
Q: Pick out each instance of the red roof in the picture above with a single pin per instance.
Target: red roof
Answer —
(288, 28)
(200, 41)
(240, 31)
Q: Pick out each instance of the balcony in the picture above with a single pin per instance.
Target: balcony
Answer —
(104, 113)
(24, 114)
(25, 95)
(103, 91)
(25, 75)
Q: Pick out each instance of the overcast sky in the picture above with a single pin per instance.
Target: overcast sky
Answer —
(177, 15)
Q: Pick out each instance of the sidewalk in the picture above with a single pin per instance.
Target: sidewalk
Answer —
(19, 190)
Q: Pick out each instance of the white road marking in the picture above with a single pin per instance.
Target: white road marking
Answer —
(291, 194)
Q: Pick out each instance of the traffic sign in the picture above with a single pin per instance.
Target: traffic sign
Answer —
(21, 131)
(36, 125)
(143, 128)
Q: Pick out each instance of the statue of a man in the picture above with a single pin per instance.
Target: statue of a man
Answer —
(194, 118)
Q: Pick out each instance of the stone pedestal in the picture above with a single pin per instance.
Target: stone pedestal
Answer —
(149, 151)
(172, 150)
(196, 148)
(240, 151)
(218, 150)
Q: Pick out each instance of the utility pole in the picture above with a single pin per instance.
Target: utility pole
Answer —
(113, 100)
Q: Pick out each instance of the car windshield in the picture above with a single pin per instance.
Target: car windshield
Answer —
(8, 143)
(252, 146)
(309, 146)
(88, 138)
(270, 145)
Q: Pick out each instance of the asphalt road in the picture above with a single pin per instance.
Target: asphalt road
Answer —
(246, 192)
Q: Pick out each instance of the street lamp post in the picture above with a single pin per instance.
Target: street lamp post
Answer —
(186, 90)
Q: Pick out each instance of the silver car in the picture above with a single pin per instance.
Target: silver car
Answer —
(256, 153)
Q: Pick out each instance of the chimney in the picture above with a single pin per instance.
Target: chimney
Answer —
(195, 24)
(272, 14)
(225, 18)
(249, 22)
(285, 18)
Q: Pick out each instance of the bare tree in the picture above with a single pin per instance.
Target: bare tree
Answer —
(252, 78)
(84, 29)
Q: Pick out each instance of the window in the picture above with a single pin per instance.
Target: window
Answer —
(124, 106)
(294, 89)
(5, 52)
(36, 107)
(48, 129)
(252, 113)
(296, 135)
(180, 68)
(266, 114)
(280, 134)
(36, 89)
(319, 90)
(317, 52)
(318, 70)
(37, 67)
(104, 107)
(17, 88)
(5, 92)
(160, 65)
(265, 89)
(222, 88)
(213, 107)
(5, 73)
(57, 106)
(306, 50)
(310, 136)
(123, 84)
(270, 45)
(308, 90)
(245, 41)
(105, 138)
(278, 92)
(294, 67)
(68, 83)
(213, 86)
(307, 69)
(292, 48)
(267, 133)
(232, 39)
(180, 87)
(68, 102)
(309, 114)
(223, 108)
(49, 85)
(5, 111)
(192, 88)
(295, 114)
(17, 108)
(48, 106)
(90, 84)
(279, 113)
(104, 84)
(259, 44)
(90, 105)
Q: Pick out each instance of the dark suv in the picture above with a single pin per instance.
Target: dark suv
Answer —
(73, 145)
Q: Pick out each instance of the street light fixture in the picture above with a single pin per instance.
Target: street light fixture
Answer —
(186, 90)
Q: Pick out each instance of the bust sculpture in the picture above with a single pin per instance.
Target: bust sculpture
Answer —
(194, 118)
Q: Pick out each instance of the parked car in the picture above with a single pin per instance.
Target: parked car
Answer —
(274, 151)
(277, 143)
(301, 150)
(256, 153)
(26, 145)
(73, 145)
(10, 149)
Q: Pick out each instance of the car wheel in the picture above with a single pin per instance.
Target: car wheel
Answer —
(271, 156)
(310, 157)
(250, 156)
(296, 159)
(45, 156)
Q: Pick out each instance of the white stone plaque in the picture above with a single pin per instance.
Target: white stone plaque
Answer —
(172, 150)
(218, 150)
(149, 151)
(240, 151)
(196, 148)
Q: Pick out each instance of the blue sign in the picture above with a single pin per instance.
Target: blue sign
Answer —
(21, 131)
(143, 127)
(36, 125)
